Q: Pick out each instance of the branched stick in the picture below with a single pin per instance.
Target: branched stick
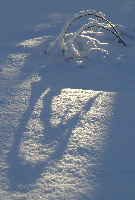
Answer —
(97, 16)
(100, 26)
(58, 47)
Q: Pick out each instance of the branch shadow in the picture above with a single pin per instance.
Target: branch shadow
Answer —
(56, 80)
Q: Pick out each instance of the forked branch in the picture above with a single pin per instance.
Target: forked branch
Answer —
(58, 47)
(88, 13)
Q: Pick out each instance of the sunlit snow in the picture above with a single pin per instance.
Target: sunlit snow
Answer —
(67, 100)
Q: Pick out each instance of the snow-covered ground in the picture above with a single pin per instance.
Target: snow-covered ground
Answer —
(67, 127)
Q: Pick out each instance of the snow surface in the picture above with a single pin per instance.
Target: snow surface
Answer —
(67, 128)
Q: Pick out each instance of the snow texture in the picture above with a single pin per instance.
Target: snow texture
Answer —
(67, 100)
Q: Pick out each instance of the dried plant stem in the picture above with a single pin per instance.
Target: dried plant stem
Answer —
(97, 16)
(103, 28)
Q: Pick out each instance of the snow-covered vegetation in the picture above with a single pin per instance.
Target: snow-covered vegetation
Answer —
(60, 48)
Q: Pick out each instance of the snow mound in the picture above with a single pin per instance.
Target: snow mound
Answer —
(83, 42)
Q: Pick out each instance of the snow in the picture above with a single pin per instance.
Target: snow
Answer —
(67, 102)
(60, 48)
